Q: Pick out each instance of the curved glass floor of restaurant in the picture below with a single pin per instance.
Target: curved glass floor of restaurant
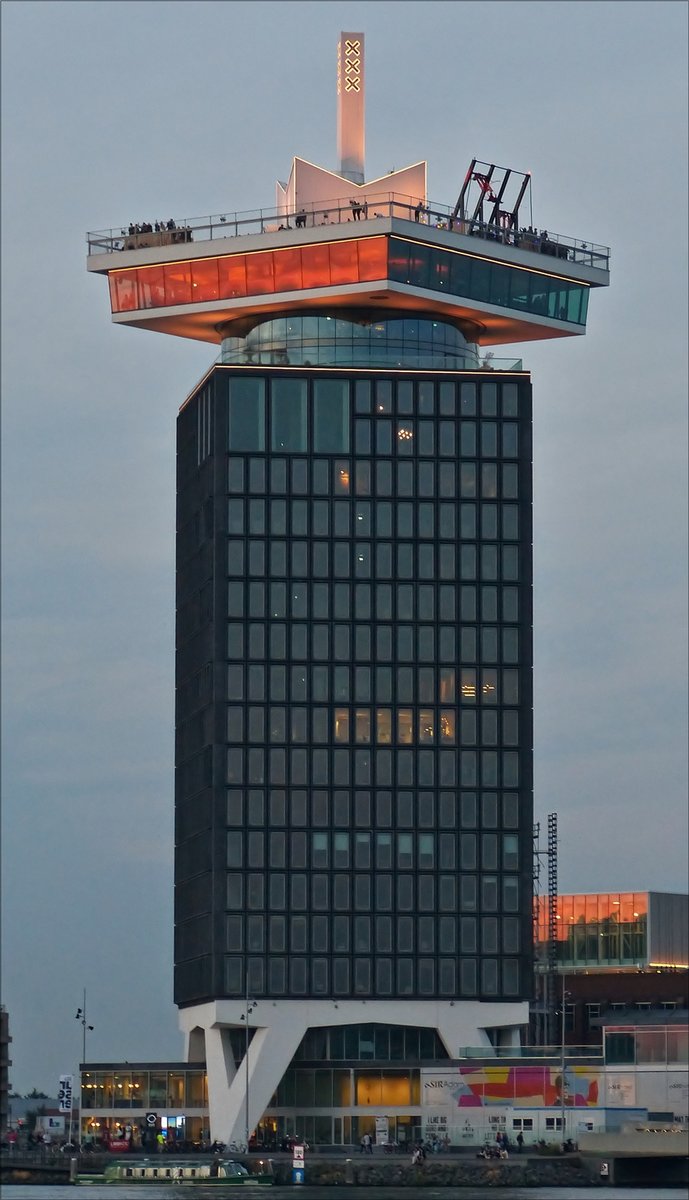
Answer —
(333, 342)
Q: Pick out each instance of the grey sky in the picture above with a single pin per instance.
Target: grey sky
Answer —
(118, 112)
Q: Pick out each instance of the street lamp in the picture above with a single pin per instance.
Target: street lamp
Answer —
(80, 1016)
(250, 1006)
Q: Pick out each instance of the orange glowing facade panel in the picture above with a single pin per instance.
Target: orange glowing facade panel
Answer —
(257, 274)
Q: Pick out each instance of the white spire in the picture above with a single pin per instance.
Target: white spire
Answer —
(350, 106)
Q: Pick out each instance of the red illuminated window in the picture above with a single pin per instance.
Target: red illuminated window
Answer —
(232, 276)
(177, 283)
(372, 259)
(204, 279)
(344, 262)
(287, 265)
(315, 266)
(151, 287)
(123, 291)
(259, 274)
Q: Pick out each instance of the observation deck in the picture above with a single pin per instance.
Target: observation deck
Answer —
(388, 257)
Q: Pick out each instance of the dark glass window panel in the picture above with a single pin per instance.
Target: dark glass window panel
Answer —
(297, 844)
(489, 727)
(235, 557)
(362, 841)
(362, 683)
(246, 424)
(489, 976)
(341, 510)
(489, 480)
(467, 644)
(278, 853)
(298, 893)
(405, 976)
(288, 414)
(489, 562)
(510, 481)
(489, 521)
(489, 399)
(320, 477)
(510, 563)
(383, 810)
(383, 850)
(446, 442)
(467, 479)
(235, 516)
(510, 645)
(405, 396)
(277, 808)
(446, 607)
(447, 479)
(468, 603)
(363, 395)
(489, 603)
(426, 482)
(510, 521)
(446, 524)
(278, 517)
(331, 416)
(467, 439)
(341, 563)
(405, 479)
(510, 687)
(300, 516)
(362, 976)
(362, 436)
(341, 903)
(383, 402)
(278, 475)
(510, 439)
(362, 892)
(300, 476)
(340, 976)
(467, 561)
(320, 892)
(257, 558)
(255, 891)
(426, 438)
(362, 479)
(235, 600)
(235, 475)
(257, 475)
(383, 478)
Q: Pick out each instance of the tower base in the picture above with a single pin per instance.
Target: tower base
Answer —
(277, 1028)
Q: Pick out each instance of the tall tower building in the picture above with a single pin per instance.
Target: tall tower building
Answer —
(353, 793)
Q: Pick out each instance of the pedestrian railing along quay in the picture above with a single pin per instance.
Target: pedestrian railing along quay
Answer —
(341, 212)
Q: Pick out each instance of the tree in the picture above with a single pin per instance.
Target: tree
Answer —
(34, 1094)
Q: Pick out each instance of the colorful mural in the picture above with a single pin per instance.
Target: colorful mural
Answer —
(512, 1085)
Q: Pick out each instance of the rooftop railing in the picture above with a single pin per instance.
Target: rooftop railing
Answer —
(339, 212)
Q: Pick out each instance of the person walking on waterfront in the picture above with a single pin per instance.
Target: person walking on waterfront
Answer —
(520, 1142)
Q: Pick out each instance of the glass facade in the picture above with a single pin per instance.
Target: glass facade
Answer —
(354, 730)
(333, 341)
(356, 260)
(607, 929)
(137, 1088)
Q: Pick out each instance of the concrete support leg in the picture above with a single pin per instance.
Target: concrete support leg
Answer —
(221, 1072)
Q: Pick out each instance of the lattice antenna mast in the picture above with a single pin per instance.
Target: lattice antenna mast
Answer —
(538, 1000)
(551, 970)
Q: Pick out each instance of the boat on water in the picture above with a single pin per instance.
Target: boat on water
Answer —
(218, 1171)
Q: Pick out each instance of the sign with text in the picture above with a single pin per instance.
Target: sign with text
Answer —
(64, 1093)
